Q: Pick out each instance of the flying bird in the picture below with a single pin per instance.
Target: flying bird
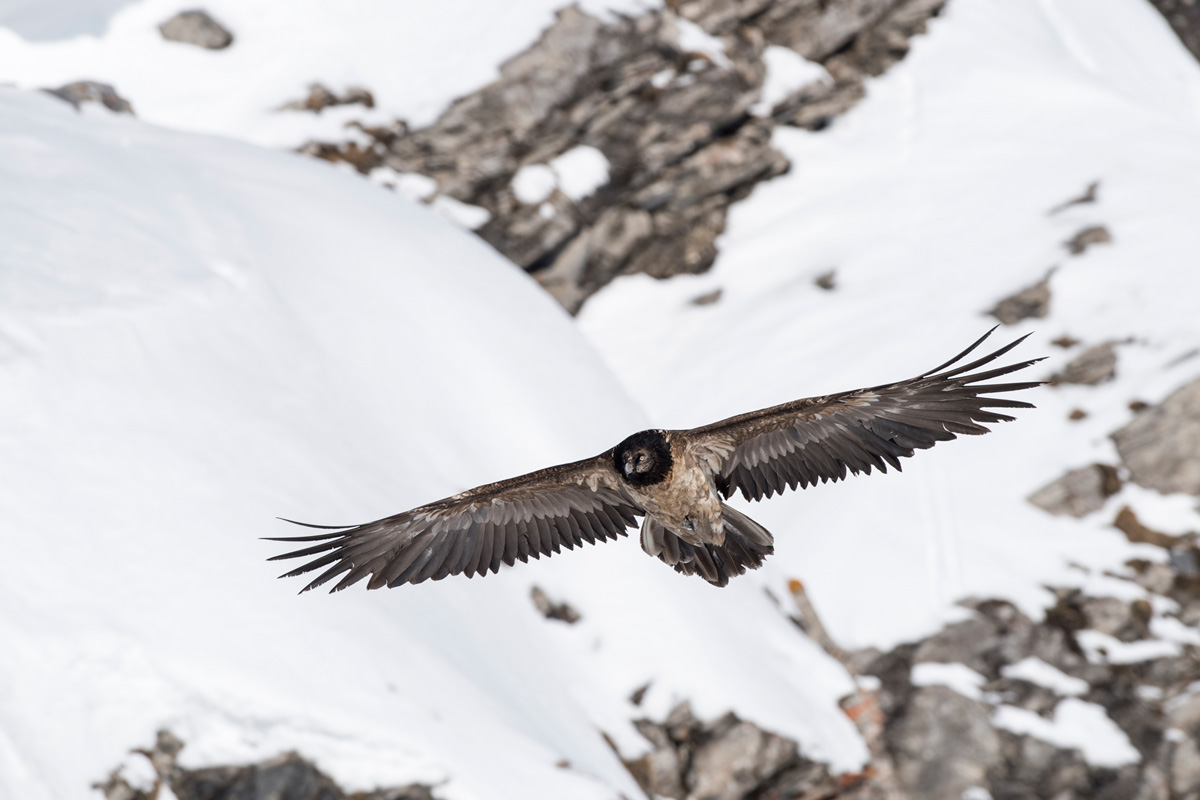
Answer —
(675, 480)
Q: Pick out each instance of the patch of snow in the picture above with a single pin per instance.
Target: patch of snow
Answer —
(138, 772)
(415, 186)
(976, 793)
(547, 211)
(1175, 735)
(693, 39)
(462, 214)
(868, 683)
(533, 183)
(1083, 726)
(1100, 648)
(1174, 629)
(787, 72)
(1149, 693)
(581, 171)
(958, 677)
(662, 79)
(1036, 671)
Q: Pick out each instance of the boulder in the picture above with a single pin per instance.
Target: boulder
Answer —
(196, 27)
(1161, 445)
(1079, 492)
(1093, 366)
(80, 92)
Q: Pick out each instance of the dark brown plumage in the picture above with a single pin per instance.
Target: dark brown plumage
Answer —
(675, 480)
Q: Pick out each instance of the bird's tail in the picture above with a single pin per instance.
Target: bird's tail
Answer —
(747, 544)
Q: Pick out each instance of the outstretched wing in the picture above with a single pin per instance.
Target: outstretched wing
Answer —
(475, 531)
(824, 438)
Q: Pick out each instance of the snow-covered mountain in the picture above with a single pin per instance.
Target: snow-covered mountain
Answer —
(199, 334)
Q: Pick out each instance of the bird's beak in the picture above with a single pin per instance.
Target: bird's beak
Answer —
(628, 464)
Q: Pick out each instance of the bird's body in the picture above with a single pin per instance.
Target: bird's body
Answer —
(685, 499)
(676, 480)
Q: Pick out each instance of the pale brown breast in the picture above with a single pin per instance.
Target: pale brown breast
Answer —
(686, 503)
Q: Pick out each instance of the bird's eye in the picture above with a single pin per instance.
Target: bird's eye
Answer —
(640, 458)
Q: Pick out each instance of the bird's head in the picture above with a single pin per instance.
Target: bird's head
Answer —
(644, 458)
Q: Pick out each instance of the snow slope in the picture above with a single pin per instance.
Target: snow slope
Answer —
(930, 201)
(197, 335)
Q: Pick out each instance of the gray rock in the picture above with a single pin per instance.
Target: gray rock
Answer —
(737, 758)
(1090, 195)
(81, 92)
(1161, 446)
(1032, 302)
(321, 97)
(1033, 768)
(1185, 767)
(198, 28)
(549, 609)
(944, 745)
(1079, 492)
(285, 777)
(1092, 235)
(1093, 366)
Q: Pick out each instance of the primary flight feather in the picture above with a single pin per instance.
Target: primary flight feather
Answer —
(675, 480)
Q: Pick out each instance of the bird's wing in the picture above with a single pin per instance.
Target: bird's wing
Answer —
(475, 531)
(824, 438)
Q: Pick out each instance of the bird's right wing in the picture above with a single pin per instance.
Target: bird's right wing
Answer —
(476, 531)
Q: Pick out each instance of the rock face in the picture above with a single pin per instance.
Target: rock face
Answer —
(678, 131)
(81, 92)
(198, 28)
(1079, 492)
(1161, 445)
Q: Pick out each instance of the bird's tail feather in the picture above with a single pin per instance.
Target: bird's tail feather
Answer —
(747, 544)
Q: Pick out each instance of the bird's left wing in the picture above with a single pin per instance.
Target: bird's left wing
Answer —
(475, 531)
(824, 438)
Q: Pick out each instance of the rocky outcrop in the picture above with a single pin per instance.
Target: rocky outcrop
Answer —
(1079, 492)
(1161, 445)
(197, 28)
(730, 759)
(80, 92)
(285, 777)
(671, 118)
